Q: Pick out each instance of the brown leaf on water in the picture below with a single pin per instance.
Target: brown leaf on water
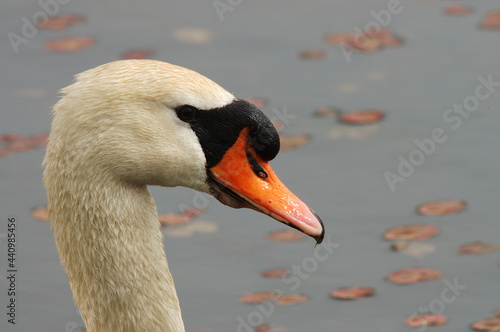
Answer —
(365, 42)
(496, 313)
(176, 219)
(411, 232)
(426, 320)
(138, 53)
(326, 111)
(40, 213)
(270, 328)
(413, 275)
(491, 21)
(477, 248)
(441, 208)
(11, 143)
(257, 297)
(293, 142)
(313, 54)
(458, 10)
(351, 293)
(288, 235)
(257, 102)
(60, 22)
(361, 117)
(275, 273)
(69, 44)
(290, 299)
(488, 324)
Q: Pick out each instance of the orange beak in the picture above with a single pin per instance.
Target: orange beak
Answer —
(245, 180)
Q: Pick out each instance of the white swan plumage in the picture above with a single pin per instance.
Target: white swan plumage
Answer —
(132, 123)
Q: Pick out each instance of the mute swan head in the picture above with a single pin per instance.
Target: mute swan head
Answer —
(146, 122)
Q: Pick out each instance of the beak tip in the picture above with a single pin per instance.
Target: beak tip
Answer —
(319, 238)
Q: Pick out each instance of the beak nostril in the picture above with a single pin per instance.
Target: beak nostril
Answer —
(262, 175)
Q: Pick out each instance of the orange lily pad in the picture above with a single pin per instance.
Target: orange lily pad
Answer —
(488, 324)
(441, 208)
(275, 273)
(457, 10)
(293, 142)
(270, 328)
(411, 232)
(176, 219)
(476, 248)
(288, 235)
(491, 21)
(40, 213)
(69, 44)
(290, 299)
(138, 53)
(60, 22)
(257, 297)
(361, 117)
(313, 54)
(413, 275)
(352, 293)
(426, 320)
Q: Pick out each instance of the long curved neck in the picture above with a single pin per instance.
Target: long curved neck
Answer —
(110, 243)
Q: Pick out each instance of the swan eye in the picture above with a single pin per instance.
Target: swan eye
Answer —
(187, 113)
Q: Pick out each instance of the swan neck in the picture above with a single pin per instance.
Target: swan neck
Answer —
(110, 243)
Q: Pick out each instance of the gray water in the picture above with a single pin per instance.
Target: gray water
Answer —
(340, 173)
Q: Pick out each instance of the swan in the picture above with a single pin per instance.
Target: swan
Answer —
(132, 123)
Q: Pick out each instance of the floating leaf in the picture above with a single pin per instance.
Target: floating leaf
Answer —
(288, 235)
(138, 53)
(457, 10)
(325, 111)
(293, 142)
(290, 299)
(476, 248)
(194, 35)
(413, 275)
(314, 54)
(189, 230)
(270, 328)
(69, 44)
(491, 21)
(339, 38)
(365, 42)
(426, 320)
(10, 143)
(257, 102)
(361, 117)
(413, 249)
(441, 208)
(488, 324)
(60, 22)
(274, 273)
(496, 313)
(40, 213)
(258, 297)
(175, 219)
(411, 232)
(352, 293)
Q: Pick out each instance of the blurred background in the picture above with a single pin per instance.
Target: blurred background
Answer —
(383, 106)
